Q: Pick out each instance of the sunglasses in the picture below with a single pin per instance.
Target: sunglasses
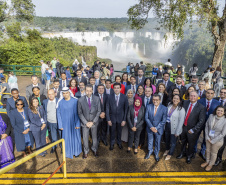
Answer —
(19, 104)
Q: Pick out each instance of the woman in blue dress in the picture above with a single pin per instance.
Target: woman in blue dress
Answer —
(69, 123)
(20, 122)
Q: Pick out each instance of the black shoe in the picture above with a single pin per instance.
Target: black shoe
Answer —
(52, 150)
(135, 153)
(95, 154)
(105, 142)
(128, 151)
(193, 156)
(111, 147)
(148, 155)
(202, 156)
(218, 161)
(85, 156)
(180, 156)
(188, 160)
(156, 158)
(120, 146)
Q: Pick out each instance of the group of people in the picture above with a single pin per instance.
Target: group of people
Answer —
(132, 109)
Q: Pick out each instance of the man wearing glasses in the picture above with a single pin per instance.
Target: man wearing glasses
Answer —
(222, 100)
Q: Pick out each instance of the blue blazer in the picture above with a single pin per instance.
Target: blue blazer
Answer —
(213, 105)
(10, 104)
(129, 87)
(17, 122)
(35, 120)
(117, 114)
(169, 84)
(158, 120)
(67, 83)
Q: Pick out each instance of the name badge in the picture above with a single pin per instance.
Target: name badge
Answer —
(135, 119)
(26, 123)
(42, 120)
(212, 132)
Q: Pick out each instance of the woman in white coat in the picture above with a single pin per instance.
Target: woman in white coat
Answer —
(215, 131)
(174, 124)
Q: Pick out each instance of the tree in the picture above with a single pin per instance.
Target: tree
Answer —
(175, 14)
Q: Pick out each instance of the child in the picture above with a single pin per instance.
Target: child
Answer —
(68, 73)
(1, 73)
(12, 81)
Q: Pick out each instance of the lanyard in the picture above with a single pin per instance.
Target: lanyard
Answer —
(22, 114)
(171, 111)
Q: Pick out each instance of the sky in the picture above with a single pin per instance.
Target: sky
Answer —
(88, 8)
(83, 8)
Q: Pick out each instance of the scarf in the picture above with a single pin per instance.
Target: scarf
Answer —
(137, 108)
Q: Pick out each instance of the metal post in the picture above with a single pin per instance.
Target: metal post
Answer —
(33, 67)
(64, 160)
(14, 70)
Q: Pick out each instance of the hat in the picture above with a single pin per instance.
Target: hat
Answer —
(41, 61)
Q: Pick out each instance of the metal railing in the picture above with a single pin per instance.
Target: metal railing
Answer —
(21, 161)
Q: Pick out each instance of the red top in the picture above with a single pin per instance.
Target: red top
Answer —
(74, 90)
(122, 88)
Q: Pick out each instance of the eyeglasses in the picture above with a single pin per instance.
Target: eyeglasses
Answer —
(19, 104)
(223, 92)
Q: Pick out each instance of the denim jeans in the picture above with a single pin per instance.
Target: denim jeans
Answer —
(171, 139)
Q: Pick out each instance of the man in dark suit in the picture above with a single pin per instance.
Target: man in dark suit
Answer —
(193, 123)
(34, 80)
(132, 85)
(97, 78)
(92, 82)
(222, 100)
(81, 91)
(102, 126)
(63, 82)
(166, 81)
(49, 106)
(210, 105)
(80, 78)
(179, 86)
(146, 100)
(155, 118)
(56, 88)
(116, 111)
(140, 78)
(108, 89)
(89, 110)
(202, 92)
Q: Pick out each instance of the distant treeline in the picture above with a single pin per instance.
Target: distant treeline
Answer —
(88, 24)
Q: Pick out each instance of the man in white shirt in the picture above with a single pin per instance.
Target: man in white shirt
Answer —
(194, 82)
(201, 91)
(43, 70)
(222, 98)
(108, 88)
(132, 85)
(97, 78)
(92, 82)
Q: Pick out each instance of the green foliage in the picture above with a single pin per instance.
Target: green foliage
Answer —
(14, 31)
(33, 48)
(3, 8)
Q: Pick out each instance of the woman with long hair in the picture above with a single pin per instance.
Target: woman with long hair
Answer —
(140, 91)
(38, 120)
(174, 124)
(161, 90)
(73, 86)
(148, 83)
(125, 79)
(190, 89)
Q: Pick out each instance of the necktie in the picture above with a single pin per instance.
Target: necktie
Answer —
(188, 114)
(178, 86)
(101, 99)
(89, 103)
(55, 91)
(155, 110)
(222, 103)
(147, 101)
(140, 80)
(133, 89)
(79, 79)
(117, 101)
(208, 106)
(64, 84)
(200, 94)
(165, 83)
(96, 82)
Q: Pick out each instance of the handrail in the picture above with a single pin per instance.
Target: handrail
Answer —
(21, 161)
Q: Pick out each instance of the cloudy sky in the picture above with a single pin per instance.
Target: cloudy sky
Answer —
(87, 8)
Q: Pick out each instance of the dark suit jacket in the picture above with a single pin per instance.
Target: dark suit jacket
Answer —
(182, 89)
(197, 117)
(78, 94)
(67, 83)
(116, 114)
(83, 79)
(129, 87)
(45, 103)
(42, 97)
(111, 91)
(58, 92)
(29, 92)
(142, 81)
(35, 120)
(169, 84)
(144, 99)
(10, 104)
(213, 105)
(140, 117)
(159, 120)
(105, 99)
(165, 100)
(203, 94)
